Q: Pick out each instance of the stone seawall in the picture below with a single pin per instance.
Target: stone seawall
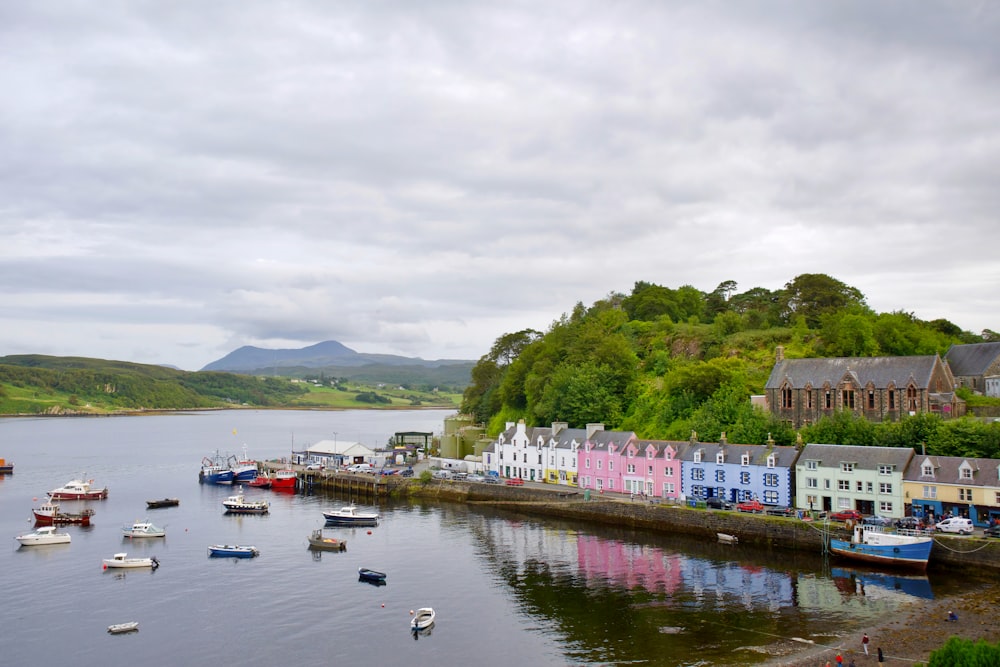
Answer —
(758, 530)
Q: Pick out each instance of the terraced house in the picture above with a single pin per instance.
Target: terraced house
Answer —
(802, 391)
(653, 468)
(843, 477)
(602, 466)
(739, 472)
(539, 453)
(936, 485)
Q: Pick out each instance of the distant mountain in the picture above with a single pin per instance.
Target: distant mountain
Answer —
(325, 355)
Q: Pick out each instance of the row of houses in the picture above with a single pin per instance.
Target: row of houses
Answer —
(887, 481)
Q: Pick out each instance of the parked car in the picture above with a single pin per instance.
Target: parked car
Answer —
(779, 510)
(753, 506)
(909, 523)
(314, 466)
(442, 474)
(877, 521)
(491, 479)
(388, 471)
(992, 531)
(406, 473)
(515, 481)
(475, 478)
(717, 503)
(845, 515)
(955, 524)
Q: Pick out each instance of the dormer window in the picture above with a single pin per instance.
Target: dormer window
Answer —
(965, 472)
(720, 458)
(745, 460)
(697, 457)
(927, 470)
(846, 467)
(770, 461)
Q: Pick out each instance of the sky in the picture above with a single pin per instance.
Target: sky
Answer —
(179, 179)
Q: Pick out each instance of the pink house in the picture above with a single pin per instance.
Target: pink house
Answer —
(653, 468)
(599, 461)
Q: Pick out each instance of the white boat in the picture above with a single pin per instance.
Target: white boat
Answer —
(121, 628)
(43, 535)
(422, 619)
(143, 529)
(350, 516)
(239, 505)
(123, 561)
(233, 551)
(77, 489)
(726, 538)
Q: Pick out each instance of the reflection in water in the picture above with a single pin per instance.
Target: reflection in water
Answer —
(874, 583)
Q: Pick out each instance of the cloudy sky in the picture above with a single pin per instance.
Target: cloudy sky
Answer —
(418, 178)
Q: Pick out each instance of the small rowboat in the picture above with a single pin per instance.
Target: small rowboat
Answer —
(320, 543)
(233, 551)
(423, 619)
(727, 539)
(164, 502)
(122, 628)
(371, 576)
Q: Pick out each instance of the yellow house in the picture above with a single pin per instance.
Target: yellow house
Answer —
(934, 486)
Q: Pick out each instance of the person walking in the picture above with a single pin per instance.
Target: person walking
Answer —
(864, 642)
(881, 658)
(839, 659)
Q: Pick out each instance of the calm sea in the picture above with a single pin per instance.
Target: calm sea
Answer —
(507, 589)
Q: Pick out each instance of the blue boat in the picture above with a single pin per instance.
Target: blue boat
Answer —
(232, 551)
(215, 471)
(371, 576)
(879, 545)
(244, 469)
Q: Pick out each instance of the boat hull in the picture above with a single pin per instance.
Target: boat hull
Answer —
(423, 619)
(371, 576)
(317, 542)
(42, 537)
(50, 517)
(908, 556)
(225, 551)
(166, 502)
(283, 480)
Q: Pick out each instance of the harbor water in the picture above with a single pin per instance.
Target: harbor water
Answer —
(507, 589)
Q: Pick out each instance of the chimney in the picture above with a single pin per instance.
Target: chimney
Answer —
(779, 354)
(694, 436)
(558, 427)
(722, 439)
(593, 428)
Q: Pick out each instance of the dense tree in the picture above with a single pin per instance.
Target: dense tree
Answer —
(814, 294)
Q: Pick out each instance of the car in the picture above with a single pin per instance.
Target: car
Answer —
(717, 503)
(955, 524)
(385, 472)
(406, 473)
(360, 467)
(753, 506)
(442, 474)
(475, 478)
(992, 531)
(845, 515)
(877, 521)
(514, 481)
(491, 479)
(779, 510)
(909, 523)
(314, 466)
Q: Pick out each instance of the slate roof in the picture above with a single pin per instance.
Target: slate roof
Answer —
(985, 472)
(880, 371)
(972, 359)
(784, 457)
(864, 458)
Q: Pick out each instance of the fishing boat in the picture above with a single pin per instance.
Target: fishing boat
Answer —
(238, 504)
(215, 471)
(283, 480)
(143, 529)
(244, 469)
(122, 628)
(49, 513)
(422, 619)
(879, 544)
(371, 576)
(78, 489)
(42, 536)
(319, 542)
(349, 515)
(6, 467)
(123, 561)
(260, 482)
(163, 502)
(233, 551)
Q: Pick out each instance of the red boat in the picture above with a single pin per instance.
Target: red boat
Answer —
(283, 480)
(260, 482)
(48, 514)
(77, 489)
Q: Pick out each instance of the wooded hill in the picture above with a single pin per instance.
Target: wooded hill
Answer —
(667, 362)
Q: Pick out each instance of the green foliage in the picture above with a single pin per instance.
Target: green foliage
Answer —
(371, 397)
(959, 652)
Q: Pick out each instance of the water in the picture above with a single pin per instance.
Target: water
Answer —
(507, 589)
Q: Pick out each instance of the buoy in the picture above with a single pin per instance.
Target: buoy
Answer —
(369, 532)
(383, 605)
(35, 499)
(411, 612)
(104, 566)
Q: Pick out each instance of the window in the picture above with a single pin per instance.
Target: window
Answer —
(697, 457)
(846, 467)
(809, 399)
(847, 397)
(911, 398)
(965, 473)
(698, 474)
(885, 470)
(871, 399)
(860, 486)
(599, 463)
(786, 397)
(996, 499)
(745, 460)
(829, 399)
(630, 468)
(611, 484)
(843, 485)
(812, 465)
(770, 461)
(844, 504)
(927, 470)
(965, 494)
(649, 470)
(720, 475)
(812, 483)
(586, 464)
(885, 487)
(744, 478)
(891, 395)
(885, 508)
(720, 458)
(826, 483)
(931, 492)
(771, 497)
(812, 500)
(668, 488)
(869, 487)
(668, 471)
(698, 491)
(611, 465)
(770, 479)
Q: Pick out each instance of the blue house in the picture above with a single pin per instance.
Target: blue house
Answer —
(739, 472)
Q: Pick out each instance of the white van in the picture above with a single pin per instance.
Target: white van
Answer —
(955, 524)
(360, 467)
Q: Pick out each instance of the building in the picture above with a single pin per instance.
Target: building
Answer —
(976, 366)
(848, 477)
(939, 485)
(601, 463)
(653, 468)
(802, 391)
(739, 472)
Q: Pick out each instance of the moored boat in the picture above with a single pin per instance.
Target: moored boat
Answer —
(876, 544)
(238, 504)
(122, 628)
(42, 536)
(215, 471)
(349, 515)
(49, 513)
(163, 502)
(260, 482)
(78, 489)
(143, 529)
(233, 551)
(422, 619)
(244, 469)
(726, 538)
(320, 542)
(283, 480)
(6, 467)
(371, 576)
(122, 560)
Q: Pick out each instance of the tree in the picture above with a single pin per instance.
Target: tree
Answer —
(813, 294)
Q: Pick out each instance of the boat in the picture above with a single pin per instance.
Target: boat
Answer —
(6, 468)
(878, 544)
(422, 619)
(239, 505)
(260, 482)
(872, 583)
(321, 543)
(232, 551)
(215, 471)
(371, 576)
(123, 561)
(244, 469)
(163, 502)
(349, 515)
(726, 538)
(42, 536)
(122, 628)
(284, 480)
(49, 513)
(78, 489)
(143, 529)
